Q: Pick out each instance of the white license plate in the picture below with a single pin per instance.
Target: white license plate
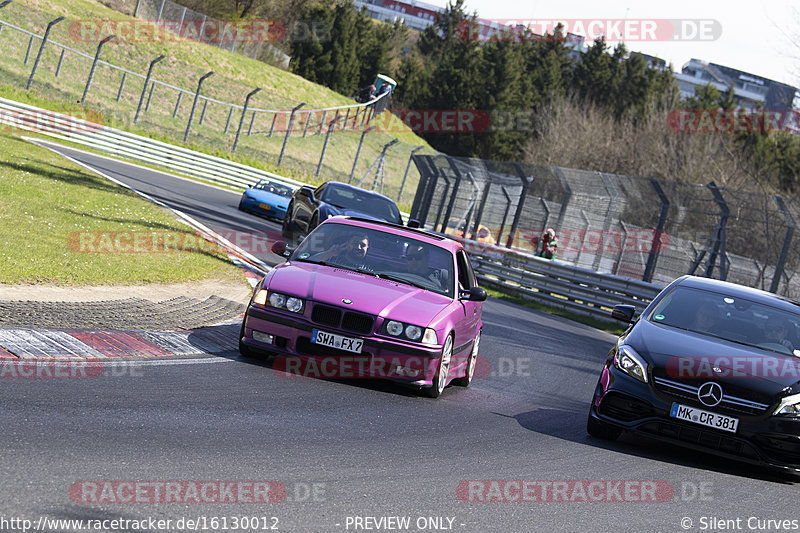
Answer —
(347, 344)
(265, 207)
(704, 418)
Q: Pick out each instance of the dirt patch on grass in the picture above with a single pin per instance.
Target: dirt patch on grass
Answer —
(155, 292)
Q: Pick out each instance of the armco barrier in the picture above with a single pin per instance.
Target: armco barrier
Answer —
(556, 284)
(123, 144)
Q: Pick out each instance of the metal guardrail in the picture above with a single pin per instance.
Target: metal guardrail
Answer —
(553, 283)
(123, 144)
(560, 285)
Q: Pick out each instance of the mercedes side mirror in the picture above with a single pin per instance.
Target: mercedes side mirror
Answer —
(623, 312)
(279, 248)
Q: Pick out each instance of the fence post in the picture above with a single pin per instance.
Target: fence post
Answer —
(358, 152)
(146, 81)
(288, 131)
(244, 112)
(177, 104)
(60, 61)
(194, 103)
(520, 204)
(453, 195)
(160, 10)
(331, 126)
(149, 97)
(308, 121)
(322, 122)
(41, 49)
(252, 120)
(655, 247)
(787, 241)
(505, 216)
(203, 113)
(344, 122)
(272, 127)
(441, 204)
(136, 9)
(94, 66)
(121, 85)
(479, 214)
(228, 122)
(28, 53)
(2, 5)
(202, 27)
(405, 174)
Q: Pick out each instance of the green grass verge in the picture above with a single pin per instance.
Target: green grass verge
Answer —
(58, 220)
(235, 76)
(616, 329)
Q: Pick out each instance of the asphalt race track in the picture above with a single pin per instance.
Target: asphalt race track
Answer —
(348, 455)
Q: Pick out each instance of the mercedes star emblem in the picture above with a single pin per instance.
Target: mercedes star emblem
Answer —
(710, 394)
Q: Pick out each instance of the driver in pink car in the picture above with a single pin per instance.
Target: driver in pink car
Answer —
(350, 254)
(417, 263)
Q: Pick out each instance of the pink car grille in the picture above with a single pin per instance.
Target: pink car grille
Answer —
(334, 317)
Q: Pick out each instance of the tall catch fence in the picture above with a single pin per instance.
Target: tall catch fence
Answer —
(634, 227)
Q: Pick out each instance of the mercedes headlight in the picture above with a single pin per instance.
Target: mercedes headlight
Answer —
(630, 362)
(789, 406)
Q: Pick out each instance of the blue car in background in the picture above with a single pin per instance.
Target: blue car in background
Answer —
(268, 198)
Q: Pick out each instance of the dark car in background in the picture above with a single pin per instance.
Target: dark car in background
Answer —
(309, 207)
(268, 198)
(709, 365)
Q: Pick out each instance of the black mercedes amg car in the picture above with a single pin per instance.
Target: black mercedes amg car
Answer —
(709, 365)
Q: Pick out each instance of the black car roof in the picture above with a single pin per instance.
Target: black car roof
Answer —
(738, 291)
(341, 185)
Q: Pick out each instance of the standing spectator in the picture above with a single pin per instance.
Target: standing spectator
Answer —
(385, 88)
(548, 244)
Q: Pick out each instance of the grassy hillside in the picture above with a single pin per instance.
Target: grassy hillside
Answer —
(235, 76)
(63, 225)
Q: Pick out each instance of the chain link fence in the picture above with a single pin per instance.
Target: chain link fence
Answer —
(638, 228)
(248, 38)
(147, 85)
